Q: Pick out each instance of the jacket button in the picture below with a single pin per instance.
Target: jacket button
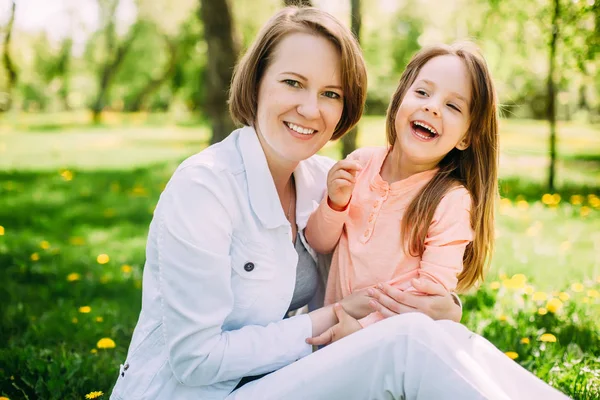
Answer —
(126, 366)
(249, 266)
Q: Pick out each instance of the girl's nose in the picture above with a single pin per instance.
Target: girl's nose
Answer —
(432, 108)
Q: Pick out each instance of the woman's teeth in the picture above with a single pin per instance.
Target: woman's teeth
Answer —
(299, 129)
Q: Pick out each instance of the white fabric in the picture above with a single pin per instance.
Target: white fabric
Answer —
(207, 321)
(406, 357)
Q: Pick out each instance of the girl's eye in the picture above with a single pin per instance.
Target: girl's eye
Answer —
(454, 107)
(421, 92)
(332, 95)
(292, 83)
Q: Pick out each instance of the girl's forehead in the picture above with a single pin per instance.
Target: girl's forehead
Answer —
(447, 72)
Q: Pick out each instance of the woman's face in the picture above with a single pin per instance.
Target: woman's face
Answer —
(300, 98)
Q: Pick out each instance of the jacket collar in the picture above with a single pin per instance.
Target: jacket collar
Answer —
(264, 199)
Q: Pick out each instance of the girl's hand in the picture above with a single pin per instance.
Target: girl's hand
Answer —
(340, 183)
(346, 326)
(437, 302)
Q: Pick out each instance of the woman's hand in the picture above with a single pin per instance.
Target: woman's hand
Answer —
(437, 302)
(357, 304)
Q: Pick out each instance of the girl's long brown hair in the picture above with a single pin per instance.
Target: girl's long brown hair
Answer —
(476, 168)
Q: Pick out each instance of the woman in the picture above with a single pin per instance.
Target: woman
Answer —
(226, 257)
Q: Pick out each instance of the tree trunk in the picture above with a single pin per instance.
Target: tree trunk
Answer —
(153, 84)
(63, 71)
(111, 66)
(349, 140)
(7, 60)
(552, 95)
(299, 3)
(222, 54)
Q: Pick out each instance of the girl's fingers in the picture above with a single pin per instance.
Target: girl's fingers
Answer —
(392, 301)
(342, 174)
(429, 287)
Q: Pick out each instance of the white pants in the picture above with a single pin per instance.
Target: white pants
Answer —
(409, 356)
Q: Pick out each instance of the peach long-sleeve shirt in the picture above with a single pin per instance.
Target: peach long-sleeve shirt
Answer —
(367, 233)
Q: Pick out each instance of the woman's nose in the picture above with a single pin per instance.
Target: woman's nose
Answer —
(309, 107)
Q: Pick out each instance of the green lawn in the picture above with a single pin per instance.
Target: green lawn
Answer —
(75, 204)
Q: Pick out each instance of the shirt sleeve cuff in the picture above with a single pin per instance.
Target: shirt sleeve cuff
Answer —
(331, 215)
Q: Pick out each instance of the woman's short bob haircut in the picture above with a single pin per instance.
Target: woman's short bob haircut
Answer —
(250, 69)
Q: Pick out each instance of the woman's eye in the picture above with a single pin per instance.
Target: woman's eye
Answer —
(332, 95)
(292, 83)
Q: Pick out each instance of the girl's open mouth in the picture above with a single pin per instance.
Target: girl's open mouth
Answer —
(423, 130)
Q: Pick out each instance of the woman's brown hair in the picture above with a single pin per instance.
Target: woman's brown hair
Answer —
(476, 168)
(249, 71)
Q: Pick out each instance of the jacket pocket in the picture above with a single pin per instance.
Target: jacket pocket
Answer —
(253, 268)
(142, 366)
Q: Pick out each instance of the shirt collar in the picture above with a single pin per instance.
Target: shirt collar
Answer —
(264, 199)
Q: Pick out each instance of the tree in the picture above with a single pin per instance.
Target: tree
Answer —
(7, 60)
(115, 54)
(222, 55)
(552, 93)
(349, 140)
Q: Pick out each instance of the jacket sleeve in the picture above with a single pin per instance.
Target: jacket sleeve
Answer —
(196, 222)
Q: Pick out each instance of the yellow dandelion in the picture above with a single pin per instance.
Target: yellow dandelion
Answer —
(35, 257)
(553, 305)
(548, 337)
(522, 205)
(126, 269)
(73, 276)
(94, 395)
(99, 319)
(1, 230)
(4, 398)
(593, 293)
(518, 281)
(542, 311)
(547, 199)
(45, 245)
(505, 202)
(577, 287)
(512, 355)
(85, 309)
(93, 351)
(529, 289)
(77, 241)
(594, 201)
(540, 296)
(102, 258)
(503, 318)
(565, 246)
(495, 285)
(106, 343)
(564, 296)
(576, 199)
(585, 300)
(525, 340)
(67, 175)
(584, 211)
(556, 198)
(74, 320)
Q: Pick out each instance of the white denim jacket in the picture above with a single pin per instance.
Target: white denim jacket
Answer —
(219, 276)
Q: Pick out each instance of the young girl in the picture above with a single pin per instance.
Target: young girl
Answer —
(423, 207)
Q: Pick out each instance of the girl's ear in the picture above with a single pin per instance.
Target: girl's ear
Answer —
(463, 144)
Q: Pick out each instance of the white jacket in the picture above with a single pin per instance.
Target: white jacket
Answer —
(219, 276)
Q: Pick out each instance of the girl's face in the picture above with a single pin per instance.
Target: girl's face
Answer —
(300, 98)
(433, 117)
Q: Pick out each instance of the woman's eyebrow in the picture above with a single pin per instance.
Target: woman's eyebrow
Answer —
(306, 79)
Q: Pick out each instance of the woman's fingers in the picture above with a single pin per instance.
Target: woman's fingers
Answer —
(391, 299)
(323, 339)
(429, 287)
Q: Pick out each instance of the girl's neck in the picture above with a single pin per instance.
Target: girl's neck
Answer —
(397, 167)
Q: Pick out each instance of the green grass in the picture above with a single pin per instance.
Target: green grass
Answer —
(69, 196)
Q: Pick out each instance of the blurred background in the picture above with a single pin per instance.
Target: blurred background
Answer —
(101, 99)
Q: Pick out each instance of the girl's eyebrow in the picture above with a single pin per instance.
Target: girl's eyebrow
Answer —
(455, 94)
(305, 79)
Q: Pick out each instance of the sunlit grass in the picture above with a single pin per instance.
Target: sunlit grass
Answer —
(73, 233)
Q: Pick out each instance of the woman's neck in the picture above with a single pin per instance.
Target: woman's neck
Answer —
(397, 167)
(281, 169)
